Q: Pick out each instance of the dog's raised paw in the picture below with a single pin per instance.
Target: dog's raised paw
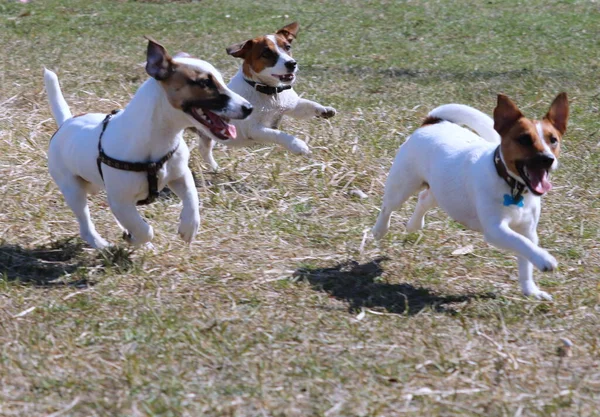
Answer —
(545, 262)
(327, 113)
(299, 147)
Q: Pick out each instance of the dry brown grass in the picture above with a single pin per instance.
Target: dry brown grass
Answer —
(282, 307)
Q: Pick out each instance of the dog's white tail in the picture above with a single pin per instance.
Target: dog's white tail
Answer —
(470, 117)
(60, 109)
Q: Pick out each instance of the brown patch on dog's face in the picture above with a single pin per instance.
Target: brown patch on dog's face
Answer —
(260, 53)
(202, 96)
(551, 136)
(521, 141)
(186, 86)
(263, 54)
(197, 89)
(189, 87)
(264, 51)
(530, 147)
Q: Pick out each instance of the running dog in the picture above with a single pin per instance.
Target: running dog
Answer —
(265, 80)
(490, 181)
(136, 152)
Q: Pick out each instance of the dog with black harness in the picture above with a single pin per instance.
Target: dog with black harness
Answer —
(136, 152)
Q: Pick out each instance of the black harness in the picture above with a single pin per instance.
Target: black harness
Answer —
(150, 168)
(517, 189)
(267, 89)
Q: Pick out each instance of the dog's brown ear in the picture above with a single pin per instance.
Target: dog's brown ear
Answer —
(289, 32)
(158, 61)
(558, 115)
(506, 114)
(239, 50)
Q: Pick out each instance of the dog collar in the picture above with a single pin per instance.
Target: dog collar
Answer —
(267, 89)
(517, 189)
(150, 168)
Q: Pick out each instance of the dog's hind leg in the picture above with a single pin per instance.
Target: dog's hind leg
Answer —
(206, 147)
(398, 189)
(76, 198)
(426, 202)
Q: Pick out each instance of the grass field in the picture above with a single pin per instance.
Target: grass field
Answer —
(284, 306)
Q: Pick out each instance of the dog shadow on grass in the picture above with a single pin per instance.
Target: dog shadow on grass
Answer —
(357, 284)
(61, 263)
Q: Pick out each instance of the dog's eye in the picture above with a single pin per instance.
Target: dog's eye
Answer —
(203, 83)
(288, 47)
(553, 140)
(525, 140)
(267, 53)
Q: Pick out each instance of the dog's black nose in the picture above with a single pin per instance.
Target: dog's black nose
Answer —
(291, 65)
(548, 162)
(246, 110)
(542, 160)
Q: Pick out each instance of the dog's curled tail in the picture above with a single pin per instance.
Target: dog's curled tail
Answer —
(460, 114)
(60, 109)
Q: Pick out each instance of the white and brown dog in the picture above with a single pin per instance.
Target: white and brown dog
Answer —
(265, 80)
(136, 152)
(490, 182)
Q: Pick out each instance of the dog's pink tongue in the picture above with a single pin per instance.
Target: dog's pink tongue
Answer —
(219, 125)
(539, 181)
(231, 131)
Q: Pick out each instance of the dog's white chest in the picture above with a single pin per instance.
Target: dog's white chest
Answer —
(268, 109)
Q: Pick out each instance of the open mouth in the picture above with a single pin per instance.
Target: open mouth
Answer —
(536, 175)
(217, 125)
(285, 78)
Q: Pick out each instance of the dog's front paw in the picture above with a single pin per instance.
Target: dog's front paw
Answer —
(299, 147)
(188, 226)
(544, 261)
(327, 113)
(537, 294)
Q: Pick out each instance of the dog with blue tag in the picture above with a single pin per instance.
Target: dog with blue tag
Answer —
(489, 177)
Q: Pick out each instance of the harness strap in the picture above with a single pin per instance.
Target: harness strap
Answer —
(151, 168)
(267, 89)
(517, 189)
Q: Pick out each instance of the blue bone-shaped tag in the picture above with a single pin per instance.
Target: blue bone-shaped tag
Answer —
(510, 200)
